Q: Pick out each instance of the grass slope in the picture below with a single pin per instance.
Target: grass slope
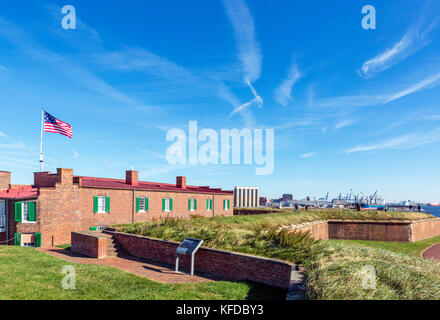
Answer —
(32, 275)
(334, 268)
(409, 248)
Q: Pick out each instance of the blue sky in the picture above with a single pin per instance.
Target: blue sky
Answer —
(351, 108)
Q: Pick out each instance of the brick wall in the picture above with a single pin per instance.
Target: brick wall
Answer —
(2, 237)
(5, 180)
(318, 230)
(425, 229)
(20, 227)
(224, 264)
(91, 244)
(370, 230)
(67, 208)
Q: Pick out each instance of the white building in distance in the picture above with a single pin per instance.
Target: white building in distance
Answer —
(246, 197)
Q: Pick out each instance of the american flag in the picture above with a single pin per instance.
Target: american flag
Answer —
(52, 124)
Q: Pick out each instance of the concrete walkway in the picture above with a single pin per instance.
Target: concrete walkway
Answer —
(151, 270)
(433, 252)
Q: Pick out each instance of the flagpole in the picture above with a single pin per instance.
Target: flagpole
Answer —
(41, 141)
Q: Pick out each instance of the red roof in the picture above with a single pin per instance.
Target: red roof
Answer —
(143, 185)
(27, 192)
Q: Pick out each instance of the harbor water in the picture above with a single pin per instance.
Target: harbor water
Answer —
(432, 210)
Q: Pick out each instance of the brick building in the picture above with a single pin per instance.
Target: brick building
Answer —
(46, 213)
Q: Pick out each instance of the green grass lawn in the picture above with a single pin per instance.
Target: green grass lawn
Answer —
(26, 273)
(334, 269)
(410, 248)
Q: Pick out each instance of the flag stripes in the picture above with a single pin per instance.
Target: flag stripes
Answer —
(54, 125)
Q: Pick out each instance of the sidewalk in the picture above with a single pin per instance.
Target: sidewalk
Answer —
(147, 269)
(433, 252)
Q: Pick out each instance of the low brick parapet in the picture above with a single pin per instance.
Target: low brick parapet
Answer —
(224, 264)
(90, 243)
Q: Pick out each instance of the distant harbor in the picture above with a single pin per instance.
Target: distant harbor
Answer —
(434, 210)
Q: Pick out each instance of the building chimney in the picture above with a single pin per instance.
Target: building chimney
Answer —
(181, 182)
(5, 180)
(132, 177)
(65, 176)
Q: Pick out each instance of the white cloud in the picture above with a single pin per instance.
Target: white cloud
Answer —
(308, 155)
(135, 59)
(256, 100)
(402, 142)
(244, 30)
(75, 154)
(344, 123)
(413, 40)
(283, 94)
(373, 99)
(433, 117)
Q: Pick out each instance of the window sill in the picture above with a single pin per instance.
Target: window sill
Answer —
(29, 222)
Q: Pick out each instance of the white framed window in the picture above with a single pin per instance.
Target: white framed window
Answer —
(167, 204)
(101, 204)
(25, 212)
(209, 204)
(226, 205)
(192, 204)
(142, 204)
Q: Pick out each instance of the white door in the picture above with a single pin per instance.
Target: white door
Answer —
(2, 215)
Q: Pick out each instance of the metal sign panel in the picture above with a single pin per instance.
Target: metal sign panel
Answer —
(189, 246)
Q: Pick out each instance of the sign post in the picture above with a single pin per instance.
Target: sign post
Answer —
(188, 246)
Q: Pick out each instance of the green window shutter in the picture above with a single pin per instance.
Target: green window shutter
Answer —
(32, 211)
(95, 204)
(146, 204)
(137, 205)
(107, 204)
(38, 240)
(163, 204)
(195, 204)
(171, 204)
(229, 204)
(189, 204)
(18, 211)
(207, 204)
(17, 239)
(92, 228)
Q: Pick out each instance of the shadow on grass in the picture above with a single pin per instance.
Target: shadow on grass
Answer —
(259, 291)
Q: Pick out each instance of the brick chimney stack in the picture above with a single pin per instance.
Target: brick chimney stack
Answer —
(181, 182)
(132, 177)
(5, 180)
